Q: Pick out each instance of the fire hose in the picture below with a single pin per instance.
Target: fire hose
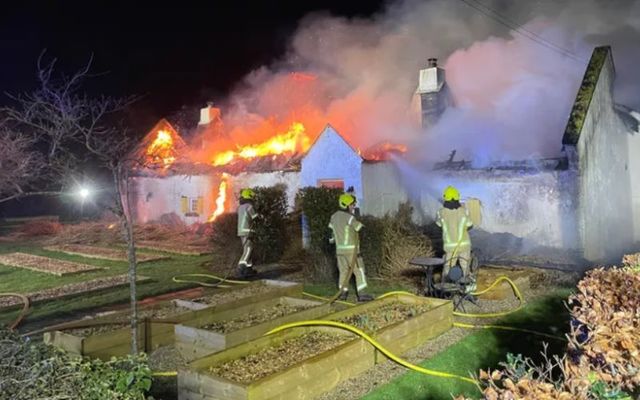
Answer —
(375, 344)
(26, 306)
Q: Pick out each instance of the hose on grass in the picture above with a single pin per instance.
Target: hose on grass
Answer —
(26, 306)
(375, 344)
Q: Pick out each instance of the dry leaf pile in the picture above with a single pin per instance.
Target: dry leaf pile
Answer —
(603, 355)
(607, 308)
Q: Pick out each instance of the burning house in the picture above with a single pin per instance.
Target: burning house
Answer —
(586, 200)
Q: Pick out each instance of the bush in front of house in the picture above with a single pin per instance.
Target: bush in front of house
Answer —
(270, 227)
(388, 243)
(317, 205)
(226, 246)
(33, 370)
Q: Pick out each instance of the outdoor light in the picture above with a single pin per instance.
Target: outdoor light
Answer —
(84, 193)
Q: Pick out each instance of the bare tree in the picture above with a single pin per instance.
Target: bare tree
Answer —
(54, 125)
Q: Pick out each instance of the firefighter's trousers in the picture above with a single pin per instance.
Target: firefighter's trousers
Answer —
(344, 264)
(462, 256)
(247, 247)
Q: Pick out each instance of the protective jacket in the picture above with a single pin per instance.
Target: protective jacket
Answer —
(246, 215)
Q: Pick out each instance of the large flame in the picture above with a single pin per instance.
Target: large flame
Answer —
(161, 150)
(295, 140)
(220, 199)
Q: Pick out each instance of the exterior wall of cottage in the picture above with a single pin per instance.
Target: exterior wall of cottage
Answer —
(291, 179)
(332, 158)
(156, 196)
(607, 218)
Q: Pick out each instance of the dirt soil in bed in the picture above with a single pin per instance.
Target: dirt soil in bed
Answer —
(256, 317)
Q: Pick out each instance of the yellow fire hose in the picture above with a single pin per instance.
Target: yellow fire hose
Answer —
(375, 344)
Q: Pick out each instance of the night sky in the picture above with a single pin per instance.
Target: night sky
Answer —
(173, 54)
(176, 53)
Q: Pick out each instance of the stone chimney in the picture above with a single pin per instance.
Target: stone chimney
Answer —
(209, 114)
(432, 93)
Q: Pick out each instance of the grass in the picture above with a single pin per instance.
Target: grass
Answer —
(24, 281)
(484, 349)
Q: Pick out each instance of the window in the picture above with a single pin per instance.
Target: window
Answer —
(192, 206)
(331, 183)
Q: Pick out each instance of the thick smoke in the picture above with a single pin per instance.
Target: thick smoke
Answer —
(512, 94)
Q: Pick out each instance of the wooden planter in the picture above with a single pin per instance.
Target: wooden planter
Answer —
(406, 335)
(194, 342)
(303, 381)
(321, 373)
(151, 334)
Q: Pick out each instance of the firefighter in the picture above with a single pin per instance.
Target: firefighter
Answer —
(455, 222)
(345, 230)
(246, 216)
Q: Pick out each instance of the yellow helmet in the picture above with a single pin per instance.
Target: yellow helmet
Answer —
(346, 200)
(450, 194)
(247, 194)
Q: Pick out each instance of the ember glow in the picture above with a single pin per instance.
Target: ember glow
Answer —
(295, 140)
(161, 151)
(381, 152)
(221, 199)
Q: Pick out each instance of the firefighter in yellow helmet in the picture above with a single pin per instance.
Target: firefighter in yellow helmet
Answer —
(246, 215)
(345, 229)
(455, 222)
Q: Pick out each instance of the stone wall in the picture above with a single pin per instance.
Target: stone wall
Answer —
(601, 140)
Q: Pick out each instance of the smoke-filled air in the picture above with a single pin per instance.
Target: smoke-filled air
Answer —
(513, 77)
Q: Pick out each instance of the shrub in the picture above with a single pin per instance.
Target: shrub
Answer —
(270, 230)
(34, 370)
(270, 227)
(317, 205)
(226, 246)
(388, 243)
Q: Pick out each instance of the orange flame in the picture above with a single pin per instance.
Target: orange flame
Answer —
(293, 141)
(221, 199)
(382, 152)
(161, 150)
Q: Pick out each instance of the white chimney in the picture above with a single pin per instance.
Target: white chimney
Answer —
(431, 79)
(209, 114)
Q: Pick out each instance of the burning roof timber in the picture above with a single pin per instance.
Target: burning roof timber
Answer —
(165, 152)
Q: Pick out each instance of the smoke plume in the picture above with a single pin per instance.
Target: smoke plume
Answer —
(512, 93)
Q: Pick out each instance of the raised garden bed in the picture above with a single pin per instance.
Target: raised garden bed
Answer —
(114, 339)
(45, 264)
(305, 362)
(214, 332)
(102, 253)
(294, 364)
(173, 248)
(257, 291)
(400, 322)
(72, 289)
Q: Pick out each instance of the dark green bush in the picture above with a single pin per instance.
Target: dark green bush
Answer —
(317, 205)
(33, 370)
(270, 228)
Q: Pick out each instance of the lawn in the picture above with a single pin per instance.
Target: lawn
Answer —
(161, 273)
(484, 349)
(45, 313)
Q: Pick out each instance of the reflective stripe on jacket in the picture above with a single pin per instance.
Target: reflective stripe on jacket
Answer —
(455, 225)
(345, 227)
